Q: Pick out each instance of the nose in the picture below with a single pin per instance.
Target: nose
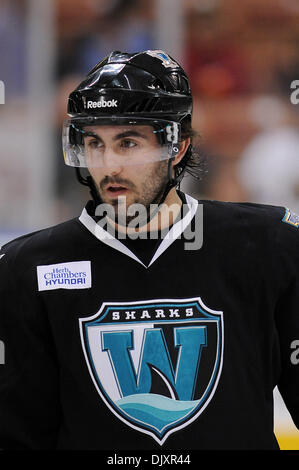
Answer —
(111, 162)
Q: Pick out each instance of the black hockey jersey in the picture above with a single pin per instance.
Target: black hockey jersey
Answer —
(180, 350)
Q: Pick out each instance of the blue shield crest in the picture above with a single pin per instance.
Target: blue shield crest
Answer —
(155, 363)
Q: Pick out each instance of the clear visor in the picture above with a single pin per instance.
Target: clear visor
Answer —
(98, 142)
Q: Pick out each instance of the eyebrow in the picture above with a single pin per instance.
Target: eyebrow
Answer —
(121, 135)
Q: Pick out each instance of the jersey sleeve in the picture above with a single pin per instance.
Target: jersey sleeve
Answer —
(287, 313)
(29, 394)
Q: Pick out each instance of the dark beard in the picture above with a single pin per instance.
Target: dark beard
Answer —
(152, 195)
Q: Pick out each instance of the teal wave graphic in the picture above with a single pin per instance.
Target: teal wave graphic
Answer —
(154, 410)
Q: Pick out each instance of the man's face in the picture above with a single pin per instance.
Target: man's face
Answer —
(122, 161)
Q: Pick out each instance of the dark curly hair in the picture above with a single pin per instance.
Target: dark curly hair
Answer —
(193, 161)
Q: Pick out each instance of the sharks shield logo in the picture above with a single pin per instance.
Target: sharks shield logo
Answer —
(156, 364)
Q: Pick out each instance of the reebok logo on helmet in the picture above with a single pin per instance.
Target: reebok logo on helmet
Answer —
(102, 103)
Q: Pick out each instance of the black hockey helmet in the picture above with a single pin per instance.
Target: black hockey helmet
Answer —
(147, 83)
(139, 88)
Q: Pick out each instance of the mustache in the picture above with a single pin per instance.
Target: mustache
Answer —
(116, 180)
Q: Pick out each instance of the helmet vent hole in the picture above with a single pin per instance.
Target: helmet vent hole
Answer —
(158, 84)
(175, 81)
(143, 105)
(185, 85)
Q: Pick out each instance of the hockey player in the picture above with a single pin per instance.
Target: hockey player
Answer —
(120, 335)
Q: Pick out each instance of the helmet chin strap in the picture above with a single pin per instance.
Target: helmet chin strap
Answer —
(171, 183)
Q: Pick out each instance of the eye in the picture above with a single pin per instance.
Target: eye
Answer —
(94, 144)
(128, 143)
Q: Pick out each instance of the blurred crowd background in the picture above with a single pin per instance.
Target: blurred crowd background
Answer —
(241, 56)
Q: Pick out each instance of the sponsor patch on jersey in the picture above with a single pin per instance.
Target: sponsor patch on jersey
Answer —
(291, 218)
(156, 364)
(73, 275)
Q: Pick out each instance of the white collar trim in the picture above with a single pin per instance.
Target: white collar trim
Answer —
(176, 230)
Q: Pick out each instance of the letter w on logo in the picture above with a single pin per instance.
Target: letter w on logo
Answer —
(188, 340)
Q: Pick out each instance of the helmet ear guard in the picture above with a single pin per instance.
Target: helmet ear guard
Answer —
(179, 168)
